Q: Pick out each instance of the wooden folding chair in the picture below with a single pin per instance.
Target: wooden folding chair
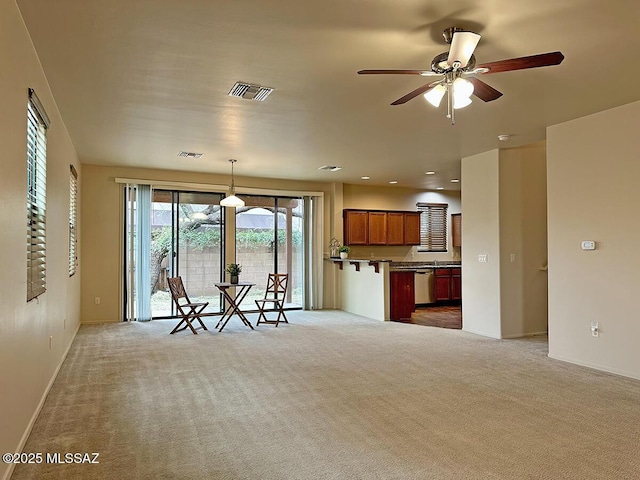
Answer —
(188, 310)
(275, 296)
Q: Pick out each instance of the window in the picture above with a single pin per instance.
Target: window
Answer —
(37, 124)
(433, 227)
(73, 220)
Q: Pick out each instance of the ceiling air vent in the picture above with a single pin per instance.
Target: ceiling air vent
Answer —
(190, 155)
(330, 168)
(250, 92)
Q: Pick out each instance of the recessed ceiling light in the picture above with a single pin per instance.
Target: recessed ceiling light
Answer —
(455, 180)
(393, 181)
(504, 138)
(430, 173)
(365, 178)
(439, 188)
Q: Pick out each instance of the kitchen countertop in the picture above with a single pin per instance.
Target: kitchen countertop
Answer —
(350, 259)
(413, 266)
(395, 266)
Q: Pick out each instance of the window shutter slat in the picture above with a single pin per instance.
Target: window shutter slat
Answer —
(433, 226)
(36, 196)
(73, 209)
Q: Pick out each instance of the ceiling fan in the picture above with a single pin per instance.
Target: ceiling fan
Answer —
(457, 70)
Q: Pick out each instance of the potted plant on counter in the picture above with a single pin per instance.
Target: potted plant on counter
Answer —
(344, 251)
(233, 269)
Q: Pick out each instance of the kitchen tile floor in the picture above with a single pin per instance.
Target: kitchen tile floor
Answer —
(447, 316)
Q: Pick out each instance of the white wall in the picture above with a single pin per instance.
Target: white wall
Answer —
(481, 236)
(333, 229)
(593, 194)
(27, 364)
(504, 211)
(364, 292)
(523, 240)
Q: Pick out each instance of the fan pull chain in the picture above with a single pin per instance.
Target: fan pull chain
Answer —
(450, 110)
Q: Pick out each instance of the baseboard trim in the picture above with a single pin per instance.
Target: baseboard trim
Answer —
(477, 332)
(596, 366)
(34, 417)
(99, 322)
(524, 335)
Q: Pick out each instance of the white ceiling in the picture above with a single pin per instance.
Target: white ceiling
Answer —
(138, 81)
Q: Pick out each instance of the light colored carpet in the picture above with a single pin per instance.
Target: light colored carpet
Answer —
(331, 396)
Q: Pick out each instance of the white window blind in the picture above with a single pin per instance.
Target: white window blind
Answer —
(37, 124)
(73, 220)
(433, 227)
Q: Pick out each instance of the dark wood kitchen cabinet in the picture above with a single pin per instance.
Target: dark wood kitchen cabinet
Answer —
(377, 228)
(402, 292)
(443, 284)
(412, 228)
(448, 285)
(381, 227)
(356, 227)
(395, 228)
(456, 229)
(456, 284)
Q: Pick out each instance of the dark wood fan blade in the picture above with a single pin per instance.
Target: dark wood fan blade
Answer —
(483, 91)
(398, 72)
(541, 60)
(414, 94)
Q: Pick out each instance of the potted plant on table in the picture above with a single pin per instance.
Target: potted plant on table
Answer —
(344, 251)
(233, 269)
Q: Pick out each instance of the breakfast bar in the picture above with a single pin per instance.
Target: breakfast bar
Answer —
(390, 290)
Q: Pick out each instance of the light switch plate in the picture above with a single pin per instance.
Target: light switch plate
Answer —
(588, 245)
(482, 258)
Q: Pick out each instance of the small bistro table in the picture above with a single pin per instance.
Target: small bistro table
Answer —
(242, 288)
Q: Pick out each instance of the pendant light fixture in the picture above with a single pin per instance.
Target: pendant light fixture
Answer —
(231, 200)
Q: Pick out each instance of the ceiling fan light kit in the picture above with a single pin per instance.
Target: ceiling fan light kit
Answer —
(458, 90)
(458, 70)
(461, 91)
(460, 102)
(434, 96)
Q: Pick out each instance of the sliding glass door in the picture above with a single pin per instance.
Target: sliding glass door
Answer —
(186, 240)
(174, 233)
(269, 240)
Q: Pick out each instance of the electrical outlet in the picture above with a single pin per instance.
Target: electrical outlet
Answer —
(513, 258)
(96, 300)
(595, 329)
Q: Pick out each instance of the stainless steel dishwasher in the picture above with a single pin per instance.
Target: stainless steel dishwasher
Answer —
(424, 286)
